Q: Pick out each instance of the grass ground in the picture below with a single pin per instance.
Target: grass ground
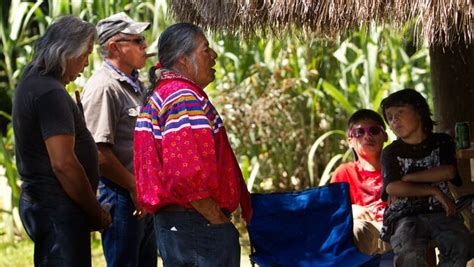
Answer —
(20, 254)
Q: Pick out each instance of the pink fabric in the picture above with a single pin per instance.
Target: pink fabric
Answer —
(365, 187)
(181, 150)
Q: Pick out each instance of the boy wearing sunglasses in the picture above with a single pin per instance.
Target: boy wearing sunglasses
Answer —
(416, 169)
(366, 136)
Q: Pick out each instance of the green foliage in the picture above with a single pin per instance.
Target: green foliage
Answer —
(372, 63)
(9, 188)
(17, 36)
(285, 101)
(279, 96)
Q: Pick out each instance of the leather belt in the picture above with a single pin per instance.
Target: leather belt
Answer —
(179, 208)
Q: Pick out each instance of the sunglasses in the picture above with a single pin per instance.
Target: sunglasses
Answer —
(138, 40)
(371, 130)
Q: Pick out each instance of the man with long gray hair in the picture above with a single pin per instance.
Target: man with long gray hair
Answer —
(112, 98)
(55, 153)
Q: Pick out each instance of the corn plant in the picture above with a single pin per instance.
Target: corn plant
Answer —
(18, 30)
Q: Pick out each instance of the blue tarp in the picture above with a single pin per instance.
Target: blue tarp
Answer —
(307, 228)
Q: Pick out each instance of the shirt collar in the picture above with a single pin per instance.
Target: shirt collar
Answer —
(132, 80)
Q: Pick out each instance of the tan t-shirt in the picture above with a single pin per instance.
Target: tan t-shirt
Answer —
(111, 107)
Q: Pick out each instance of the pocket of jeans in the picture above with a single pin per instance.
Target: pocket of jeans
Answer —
(224, 230)
(220, 225)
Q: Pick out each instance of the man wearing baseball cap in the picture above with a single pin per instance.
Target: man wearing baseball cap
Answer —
(111, 100)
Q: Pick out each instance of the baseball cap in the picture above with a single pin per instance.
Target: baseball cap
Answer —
(119, 23)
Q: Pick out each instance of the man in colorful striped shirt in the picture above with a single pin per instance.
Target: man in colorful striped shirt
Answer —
(186, 171)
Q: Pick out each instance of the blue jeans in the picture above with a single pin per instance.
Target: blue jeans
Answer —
(185, 238)
(129, 241)
(58, 227)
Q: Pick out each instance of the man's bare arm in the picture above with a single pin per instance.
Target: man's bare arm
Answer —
(73, 178)
(112, 169)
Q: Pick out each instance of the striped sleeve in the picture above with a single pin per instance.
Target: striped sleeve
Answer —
(147, 158)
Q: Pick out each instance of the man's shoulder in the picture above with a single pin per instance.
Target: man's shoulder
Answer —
(102, 82)
(34, 84)
(101, 78)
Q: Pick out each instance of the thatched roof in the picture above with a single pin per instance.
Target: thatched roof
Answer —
(436, 21)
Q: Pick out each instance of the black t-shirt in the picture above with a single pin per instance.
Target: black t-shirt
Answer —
(42, 108)
(399, 159)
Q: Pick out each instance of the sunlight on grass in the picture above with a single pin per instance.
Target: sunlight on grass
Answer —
(21, 253)
(18, 254)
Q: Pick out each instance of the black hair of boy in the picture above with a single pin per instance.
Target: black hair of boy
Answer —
(365, 114)
(411, 97)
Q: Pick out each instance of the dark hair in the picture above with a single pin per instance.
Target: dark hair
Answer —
(176, 40)
(416, 100)
(66, 38)
(365, 114)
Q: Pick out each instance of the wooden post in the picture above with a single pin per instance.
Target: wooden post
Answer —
(452, 74)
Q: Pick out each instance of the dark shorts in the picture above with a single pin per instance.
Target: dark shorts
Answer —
(59, 229)
(187, 239)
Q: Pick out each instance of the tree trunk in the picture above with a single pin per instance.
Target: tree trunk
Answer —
(452, 75)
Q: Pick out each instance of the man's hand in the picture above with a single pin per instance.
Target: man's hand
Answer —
(362, 213)
(112, 169)
(102, 221)
(208, 208)
(139, 212)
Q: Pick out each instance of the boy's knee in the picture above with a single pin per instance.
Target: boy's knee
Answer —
(455, 247)
(455, 242)
(408, 252)
(366, 237)
(407, 246)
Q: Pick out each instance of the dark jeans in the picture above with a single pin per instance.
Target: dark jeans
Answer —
(58, 227)
(129, 241)
(413, 234)
(185, 238)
